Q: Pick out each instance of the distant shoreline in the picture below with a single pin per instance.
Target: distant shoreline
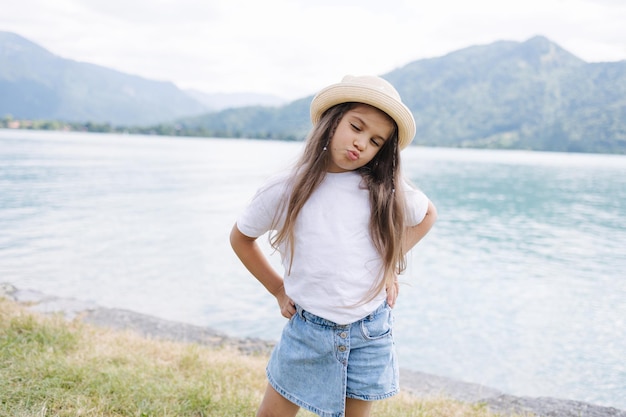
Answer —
(164, 130)
(417, 384)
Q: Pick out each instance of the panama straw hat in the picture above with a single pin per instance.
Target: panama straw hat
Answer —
(371, 90)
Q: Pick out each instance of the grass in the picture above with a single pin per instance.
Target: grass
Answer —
(52, 367)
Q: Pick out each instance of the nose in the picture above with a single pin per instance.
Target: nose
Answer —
(359, 143)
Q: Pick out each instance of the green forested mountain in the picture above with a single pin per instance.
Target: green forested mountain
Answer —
(528, 95)
(512, 95)
(531, 95)
(36, 84)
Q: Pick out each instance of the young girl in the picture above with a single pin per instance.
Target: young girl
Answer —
(342, 220)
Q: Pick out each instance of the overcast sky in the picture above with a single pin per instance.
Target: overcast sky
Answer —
(292, 48)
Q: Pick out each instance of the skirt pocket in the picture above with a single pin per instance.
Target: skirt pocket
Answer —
(378, 325)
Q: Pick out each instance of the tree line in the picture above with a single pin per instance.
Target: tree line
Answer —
(8, 122)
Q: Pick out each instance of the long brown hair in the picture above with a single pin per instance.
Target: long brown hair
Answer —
(382, 177)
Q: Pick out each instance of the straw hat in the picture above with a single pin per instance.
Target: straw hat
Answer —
(369, 90)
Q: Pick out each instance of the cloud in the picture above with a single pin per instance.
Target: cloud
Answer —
(294, 47)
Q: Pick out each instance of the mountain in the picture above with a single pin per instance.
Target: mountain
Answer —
(530, 95)
(513, 95)
(36, 84)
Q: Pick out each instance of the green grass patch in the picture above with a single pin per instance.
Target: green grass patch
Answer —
(51, 367)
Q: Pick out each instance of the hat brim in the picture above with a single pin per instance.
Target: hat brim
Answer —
(349, 92)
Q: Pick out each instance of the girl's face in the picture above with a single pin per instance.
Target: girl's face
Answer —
(360, 134)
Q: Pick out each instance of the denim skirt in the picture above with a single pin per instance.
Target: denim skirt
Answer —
(318, 363)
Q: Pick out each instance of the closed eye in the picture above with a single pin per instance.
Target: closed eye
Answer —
(375, 141)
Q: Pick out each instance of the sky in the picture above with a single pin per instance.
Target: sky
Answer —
(293, 48)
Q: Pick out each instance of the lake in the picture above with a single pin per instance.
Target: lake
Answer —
(519, 286)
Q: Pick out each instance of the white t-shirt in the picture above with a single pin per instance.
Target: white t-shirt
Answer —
(335, 262)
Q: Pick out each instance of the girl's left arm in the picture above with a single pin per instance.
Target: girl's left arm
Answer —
(415, 233)
(412, 235)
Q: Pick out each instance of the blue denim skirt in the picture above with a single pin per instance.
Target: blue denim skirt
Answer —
(318, 363)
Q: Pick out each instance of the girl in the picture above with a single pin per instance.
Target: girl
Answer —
(342, 221)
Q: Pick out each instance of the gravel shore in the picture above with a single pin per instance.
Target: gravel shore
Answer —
(417, 383)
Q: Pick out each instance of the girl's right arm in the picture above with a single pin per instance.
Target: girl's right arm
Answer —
(255, 261)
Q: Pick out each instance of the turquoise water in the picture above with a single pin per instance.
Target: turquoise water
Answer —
(520, 286)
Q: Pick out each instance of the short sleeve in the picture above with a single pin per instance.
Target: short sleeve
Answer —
(258, 216)
(416, 205)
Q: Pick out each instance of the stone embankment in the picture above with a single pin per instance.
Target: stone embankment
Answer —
(417, 383)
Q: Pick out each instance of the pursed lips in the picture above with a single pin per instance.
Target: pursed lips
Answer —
(353, 154)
